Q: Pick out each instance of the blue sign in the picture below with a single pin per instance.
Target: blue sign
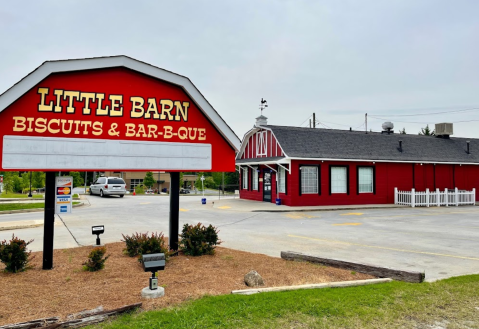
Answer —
(63, 208)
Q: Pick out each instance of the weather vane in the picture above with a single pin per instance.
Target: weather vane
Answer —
(263, 105)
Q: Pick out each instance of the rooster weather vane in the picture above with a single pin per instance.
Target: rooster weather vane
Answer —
(263, 105)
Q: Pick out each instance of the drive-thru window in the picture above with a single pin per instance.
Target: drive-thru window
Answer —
(110, 113)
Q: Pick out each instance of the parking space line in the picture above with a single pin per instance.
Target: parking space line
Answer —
(384, 248)
(224, 207)
(181, 209)
(145, 202)
(347, 224)
(352, 214)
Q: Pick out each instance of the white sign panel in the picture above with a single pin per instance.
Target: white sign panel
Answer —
(63, 194)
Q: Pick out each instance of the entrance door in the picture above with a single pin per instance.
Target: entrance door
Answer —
(267, 185)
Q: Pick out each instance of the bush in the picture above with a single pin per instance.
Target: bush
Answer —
(140, 243)
(197, 240)
(14, 254)
(95, 260)
(139, 189)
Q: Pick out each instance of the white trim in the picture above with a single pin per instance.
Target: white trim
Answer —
(284, 167)
(270, 168)
(249, 134)
(392, 161)
(50, 67)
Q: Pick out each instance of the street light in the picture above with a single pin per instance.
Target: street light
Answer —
(30, 194)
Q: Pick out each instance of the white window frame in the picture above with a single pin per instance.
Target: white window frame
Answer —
(339, 180)
(309, 184)
(370, 178)
(254, 179)
(281, 180)
(245, 178)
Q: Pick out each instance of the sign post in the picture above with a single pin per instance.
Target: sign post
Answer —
(174, 210)
(49, 220)
(202, 184)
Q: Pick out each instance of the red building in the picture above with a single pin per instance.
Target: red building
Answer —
(310, 167)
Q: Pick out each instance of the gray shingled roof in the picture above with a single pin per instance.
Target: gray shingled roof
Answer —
(345, 144)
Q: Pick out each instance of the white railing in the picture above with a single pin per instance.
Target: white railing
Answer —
(436, 198)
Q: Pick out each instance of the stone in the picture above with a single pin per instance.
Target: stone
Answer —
(150, 294)
(253, 279)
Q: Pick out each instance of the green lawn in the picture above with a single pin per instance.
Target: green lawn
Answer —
(19, 195)
(390, 305)
(21, 206)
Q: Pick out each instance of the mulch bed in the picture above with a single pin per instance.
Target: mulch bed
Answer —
(68, 289)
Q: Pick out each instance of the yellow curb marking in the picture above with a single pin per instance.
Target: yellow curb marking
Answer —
(145, 202)
(224, 207)
(181, 209)
(353, 214)
(344, 224)
(385, 248)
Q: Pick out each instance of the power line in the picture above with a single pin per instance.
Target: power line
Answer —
(305, 121)
(463, 121)
(429, 113)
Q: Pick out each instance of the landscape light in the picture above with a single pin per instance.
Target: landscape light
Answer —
(99, 229)
(153, 263)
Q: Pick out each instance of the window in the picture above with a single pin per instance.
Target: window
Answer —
(282, 180)
(134, 183)
(245, 178)
(365, 179)
(254, 177)
(309, 179)
(339, 180)
(115, 181)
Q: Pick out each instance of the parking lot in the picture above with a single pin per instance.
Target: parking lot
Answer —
(443, 242)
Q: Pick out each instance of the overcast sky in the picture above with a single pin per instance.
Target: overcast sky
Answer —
(339, 59)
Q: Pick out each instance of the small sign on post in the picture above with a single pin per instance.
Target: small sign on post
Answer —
(63, 194)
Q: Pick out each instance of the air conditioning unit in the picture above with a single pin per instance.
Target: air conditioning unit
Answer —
(444, 129)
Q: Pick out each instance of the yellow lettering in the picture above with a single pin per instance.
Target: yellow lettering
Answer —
(97, 128)
(192, 133)
(77, 125)
(152, 131)
(166, 107)
(58, 106)
(141, 130)
(114, 105)
(71, 95)
(182, 133)
(19, 124)
(30, 121)
(168, 131)
(85, 125)
(130, 129)
(179, 109)
(50, 129)
(87, 97)
(137, 109)
(42, 107)
(41, 125)
(65, 130)
(99, 110)
(152, 108)
(201, 134)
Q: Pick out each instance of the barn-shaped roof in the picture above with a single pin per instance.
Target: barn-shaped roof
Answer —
(326, 144)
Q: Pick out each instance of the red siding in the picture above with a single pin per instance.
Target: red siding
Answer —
(404, 176)
(273, 148)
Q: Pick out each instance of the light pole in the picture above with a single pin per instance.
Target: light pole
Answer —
(30, 194)
(202, 185)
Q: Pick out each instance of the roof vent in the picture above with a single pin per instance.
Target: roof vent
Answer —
(387, 128)
(261, 121)
(443, 130)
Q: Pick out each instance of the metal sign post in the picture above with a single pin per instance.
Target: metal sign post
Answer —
(202, 185)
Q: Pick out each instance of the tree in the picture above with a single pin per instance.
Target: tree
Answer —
(427, 131)
(38, 179)
(77, 178)
(149, 181)
(8, 182)
(403, 131)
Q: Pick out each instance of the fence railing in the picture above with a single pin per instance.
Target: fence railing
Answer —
(435, 198)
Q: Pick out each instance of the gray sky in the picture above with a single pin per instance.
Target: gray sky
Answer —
(337, 58)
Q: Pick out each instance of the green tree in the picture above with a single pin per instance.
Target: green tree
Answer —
(427, 131)
(77, 178)
(38, 179)
(149, 181)
(8, 182)
(26, 179)
(403, 131)
(17, 182)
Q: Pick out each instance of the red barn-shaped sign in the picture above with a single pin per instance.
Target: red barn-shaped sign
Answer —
(111, 113)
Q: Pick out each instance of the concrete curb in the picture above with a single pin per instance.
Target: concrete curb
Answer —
(21, 211)
(342, 284)
(330, 209)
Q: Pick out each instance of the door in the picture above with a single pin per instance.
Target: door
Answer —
(267, 185)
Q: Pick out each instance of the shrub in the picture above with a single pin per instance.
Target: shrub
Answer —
(96, 261)
(197, 240)
(14, 254)
(141, 243)
(140, 189)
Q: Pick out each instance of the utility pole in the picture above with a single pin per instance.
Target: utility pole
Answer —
(85, 182)
(223, 183)
(314, 120)
(366, 122)
(309, 123)
(30, 194)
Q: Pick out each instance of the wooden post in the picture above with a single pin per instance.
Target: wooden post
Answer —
(457, 197)
(438, 197)
(446, 194)
(413, 198)
(427, 197)
(395, 195)
(473, 196)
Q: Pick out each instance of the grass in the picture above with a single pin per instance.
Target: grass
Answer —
(20, 196)
(75, 195)
(22, 206)
(390, 305)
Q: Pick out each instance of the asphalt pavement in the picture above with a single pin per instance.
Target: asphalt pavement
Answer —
(443, 242)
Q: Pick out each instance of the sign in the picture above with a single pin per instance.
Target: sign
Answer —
(1, 179)
(63, 195)
(111, 114)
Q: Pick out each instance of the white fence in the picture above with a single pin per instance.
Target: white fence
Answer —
(435, 198)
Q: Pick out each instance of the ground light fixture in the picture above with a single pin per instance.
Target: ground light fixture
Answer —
(153, 263)
(97, 230)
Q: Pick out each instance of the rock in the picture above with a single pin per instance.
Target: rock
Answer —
(253, 279)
